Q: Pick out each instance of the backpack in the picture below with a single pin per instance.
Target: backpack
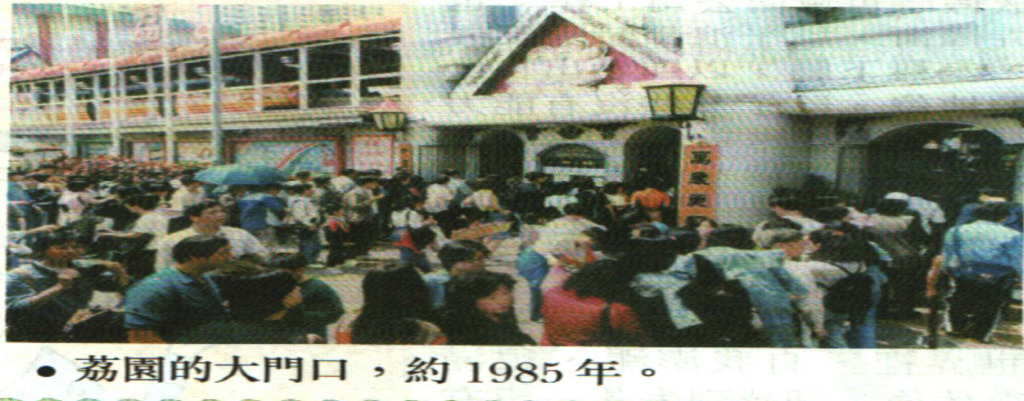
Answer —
(851, 295)
(979, 272)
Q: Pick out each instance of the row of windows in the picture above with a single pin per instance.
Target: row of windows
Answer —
(330, 62)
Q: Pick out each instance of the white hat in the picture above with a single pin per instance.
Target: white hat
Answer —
(898, 196)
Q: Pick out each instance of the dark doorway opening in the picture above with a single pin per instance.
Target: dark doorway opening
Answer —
(501, 153)
(654, 154)
(947, 163)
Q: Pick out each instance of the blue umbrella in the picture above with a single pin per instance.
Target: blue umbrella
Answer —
(241, 174)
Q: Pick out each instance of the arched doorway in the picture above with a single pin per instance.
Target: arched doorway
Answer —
(946, 162)
(653, 152)
(501, 153)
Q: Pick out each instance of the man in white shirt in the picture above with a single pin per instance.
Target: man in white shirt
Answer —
(458, 186)
(360, 214)
(439, 199)
(931, 213)
(208, 218)
(191, 193)
(789, 208)
(307, 217)
(344, 183)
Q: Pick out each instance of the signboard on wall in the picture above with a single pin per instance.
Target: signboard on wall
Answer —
(372, 152)
(698, 180)
(148, 151)
(195, 152)
(289, 156)
(93, 149)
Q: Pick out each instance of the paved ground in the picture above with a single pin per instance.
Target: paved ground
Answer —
(891, 333)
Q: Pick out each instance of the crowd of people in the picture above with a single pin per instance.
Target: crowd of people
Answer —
(605, 266)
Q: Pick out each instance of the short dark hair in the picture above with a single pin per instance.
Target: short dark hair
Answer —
(198, 209)
(778, 223)
(44, 242)
(459, 251)
(198, 247)
(302, 174)
(828, 214)
(78, 186)
(993, 212)
(891, 207)
(837, 246)
(144, 202)
(365, 180)
(731, 236)
(290, 262)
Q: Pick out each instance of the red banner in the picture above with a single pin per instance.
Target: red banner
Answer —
(698, 180)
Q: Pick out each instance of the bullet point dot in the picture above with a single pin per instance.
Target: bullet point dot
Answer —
(46, 371)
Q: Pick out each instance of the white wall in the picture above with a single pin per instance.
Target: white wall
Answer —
(940, 46)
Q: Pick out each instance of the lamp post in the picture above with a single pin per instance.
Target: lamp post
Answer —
(675, 101)
(389, 116)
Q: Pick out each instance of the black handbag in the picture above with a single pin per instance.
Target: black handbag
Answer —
(609, 337)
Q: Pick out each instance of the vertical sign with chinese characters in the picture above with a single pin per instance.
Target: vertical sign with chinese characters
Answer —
(405, 157)
(698, 180)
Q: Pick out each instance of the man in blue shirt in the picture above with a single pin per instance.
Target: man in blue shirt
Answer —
(984, 259)
(256, 208)
(991, 196)
(173, 302)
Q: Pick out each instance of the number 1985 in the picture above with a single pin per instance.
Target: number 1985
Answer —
(526, 372)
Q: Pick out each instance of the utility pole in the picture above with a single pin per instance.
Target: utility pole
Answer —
(116, 105)
(168, 92)
(217, 136)
(70, 90)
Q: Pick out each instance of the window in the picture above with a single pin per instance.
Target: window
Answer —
(379, 56)
(280, 66)
(42, 92)
(197, 76)
(330, 61)
(175, 77)
(104, 85)
(137, 82)
(24, 94)
(158, 79)
(330, 94)
(368, 89)
(58, 88)
(84, 88)
(238, 71)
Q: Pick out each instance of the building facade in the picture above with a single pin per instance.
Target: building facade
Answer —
(866, 98)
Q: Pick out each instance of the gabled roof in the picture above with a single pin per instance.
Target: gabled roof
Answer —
(662, 61)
